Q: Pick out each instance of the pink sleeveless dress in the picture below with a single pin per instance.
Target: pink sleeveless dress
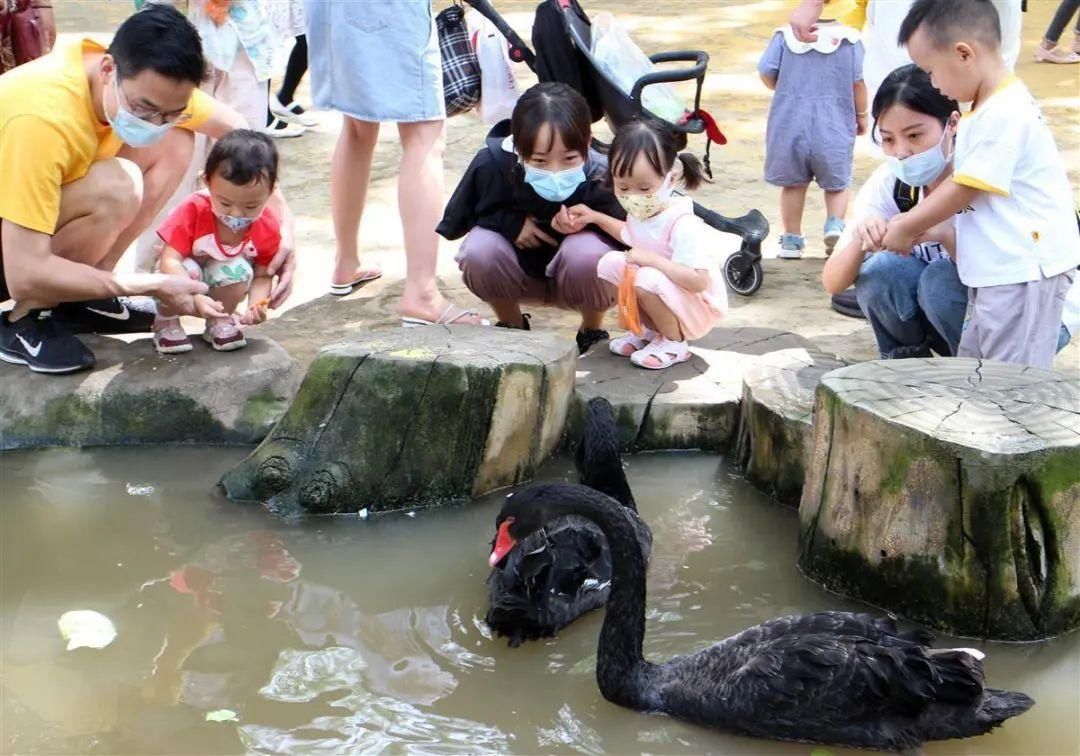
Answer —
(681, 236)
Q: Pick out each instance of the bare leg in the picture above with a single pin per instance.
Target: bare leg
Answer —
(792, 203)
(508, 311)
(592, 320)
(230, 296)
(350, 172)
(163, 166)
(663, 320)
(836, 203)
(420, 202)
(93, 210)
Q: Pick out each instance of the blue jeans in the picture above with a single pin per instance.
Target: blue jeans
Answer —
(914, 307)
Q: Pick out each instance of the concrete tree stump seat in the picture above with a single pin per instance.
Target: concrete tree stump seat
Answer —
(775, 420)
(948, 492)
(136, 396)
(694, 405)
(413, 418)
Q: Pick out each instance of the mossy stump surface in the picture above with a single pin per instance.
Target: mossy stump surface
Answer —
(948, 491)
(775, 419)
(694, 405)
(136, 396)
(413, 418)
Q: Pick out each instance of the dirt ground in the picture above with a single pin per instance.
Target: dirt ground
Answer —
(734, 34)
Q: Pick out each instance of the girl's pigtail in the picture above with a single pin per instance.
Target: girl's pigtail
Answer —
(693, 171)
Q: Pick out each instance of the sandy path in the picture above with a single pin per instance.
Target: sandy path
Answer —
(734, 34)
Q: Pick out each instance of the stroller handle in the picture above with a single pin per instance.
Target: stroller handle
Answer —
(699, 58)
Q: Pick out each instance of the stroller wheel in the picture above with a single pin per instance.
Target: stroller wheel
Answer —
(743, 274)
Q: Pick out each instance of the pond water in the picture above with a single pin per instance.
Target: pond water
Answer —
(337, 635)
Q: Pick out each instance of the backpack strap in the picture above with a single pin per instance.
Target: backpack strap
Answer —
(906, 196)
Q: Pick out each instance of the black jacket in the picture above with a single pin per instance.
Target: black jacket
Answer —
(493, 195)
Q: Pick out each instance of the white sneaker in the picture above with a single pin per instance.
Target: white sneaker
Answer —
(293, 113)
(279, 129)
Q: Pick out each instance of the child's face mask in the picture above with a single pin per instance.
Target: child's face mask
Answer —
(922, 168)
(645, 206)
(235, 223)
(554, 187)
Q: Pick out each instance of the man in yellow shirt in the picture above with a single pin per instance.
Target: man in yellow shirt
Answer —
(92, 144)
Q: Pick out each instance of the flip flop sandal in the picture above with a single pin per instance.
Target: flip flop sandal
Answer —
(341, 290)
(625, 346)
(448, 317)
(667, 353)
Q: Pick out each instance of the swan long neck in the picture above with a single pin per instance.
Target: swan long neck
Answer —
(620, 663)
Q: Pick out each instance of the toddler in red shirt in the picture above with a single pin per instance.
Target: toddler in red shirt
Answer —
(226, 237)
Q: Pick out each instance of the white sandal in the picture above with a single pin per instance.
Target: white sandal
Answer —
(636, 343)
(666, 352)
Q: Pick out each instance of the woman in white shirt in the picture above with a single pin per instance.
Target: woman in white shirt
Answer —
(913, 298)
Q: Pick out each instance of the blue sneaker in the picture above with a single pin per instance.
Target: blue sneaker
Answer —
(791, 246)
(834, 227)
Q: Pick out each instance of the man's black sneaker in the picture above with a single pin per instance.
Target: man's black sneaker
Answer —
(587, 337)
(43, 345)
(114, 315)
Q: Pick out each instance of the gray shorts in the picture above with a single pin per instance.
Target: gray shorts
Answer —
(1016, 322)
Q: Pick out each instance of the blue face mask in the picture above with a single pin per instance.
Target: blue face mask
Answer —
(554, 187)
(922, 168)
(131, 129)
(236, 223)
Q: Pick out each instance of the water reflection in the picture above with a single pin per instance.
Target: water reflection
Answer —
(339, 636)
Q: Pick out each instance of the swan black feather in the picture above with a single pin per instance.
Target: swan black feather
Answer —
(837, 678)
(557, 574)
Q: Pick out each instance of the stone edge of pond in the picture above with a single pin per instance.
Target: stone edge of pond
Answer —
(135, 396)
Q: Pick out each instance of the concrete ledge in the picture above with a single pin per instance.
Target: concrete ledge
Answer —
(136, 396)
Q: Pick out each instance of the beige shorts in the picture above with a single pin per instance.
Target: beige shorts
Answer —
(1016, 322)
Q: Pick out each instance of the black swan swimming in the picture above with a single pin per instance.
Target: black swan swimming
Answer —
(556, 575)
(835, 678)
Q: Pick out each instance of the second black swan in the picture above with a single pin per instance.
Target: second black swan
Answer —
(836, 678)
(555, 575)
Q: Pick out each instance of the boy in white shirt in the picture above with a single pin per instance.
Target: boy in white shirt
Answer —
(1017, 240)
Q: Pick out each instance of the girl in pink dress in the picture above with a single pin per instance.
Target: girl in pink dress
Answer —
(677, 283)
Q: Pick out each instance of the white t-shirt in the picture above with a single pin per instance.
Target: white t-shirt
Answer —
(875, 200)
(1022, 225)
(692, 243)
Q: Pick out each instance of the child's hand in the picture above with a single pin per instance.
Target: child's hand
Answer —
(642, 257)
(898, 239)
(257, 312)
(532, 236)
(871, 231)
(861, 122)
(581, 216)
(209, 308)
(563, 223)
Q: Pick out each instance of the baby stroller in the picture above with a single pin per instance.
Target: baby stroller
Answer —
(579, 69)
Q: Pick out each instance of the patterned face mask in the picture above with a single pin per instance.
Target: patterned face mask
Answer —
(645, 206)
(236, 223)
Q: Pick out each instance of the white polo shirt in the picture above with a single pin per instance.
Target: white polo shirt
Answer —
(1022, 225)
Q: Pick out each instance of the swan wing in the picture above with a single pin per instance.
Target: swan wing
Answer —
(817, 687)
(856, 625)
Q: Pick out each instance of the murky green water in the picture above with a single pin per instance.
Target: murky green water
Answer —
(345, 636)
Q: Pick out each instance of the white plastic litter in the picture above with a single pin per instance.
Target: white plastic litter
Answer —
(85, 628)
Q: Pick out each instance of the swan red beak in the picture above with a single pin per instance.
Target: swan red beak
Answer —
(504, 542)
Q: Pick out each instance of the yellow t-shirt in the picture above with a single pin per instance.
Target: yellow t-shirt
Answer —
(849, 12)
(49, 134)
